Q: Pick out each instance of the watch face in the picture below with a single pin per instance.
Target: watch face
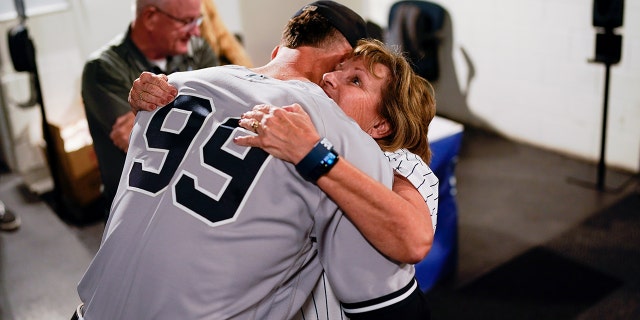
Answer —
(318, 161)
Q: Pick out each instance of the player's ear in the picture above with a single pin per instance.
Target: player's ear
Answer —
(380, 129)
(148, 17)
(274, 52)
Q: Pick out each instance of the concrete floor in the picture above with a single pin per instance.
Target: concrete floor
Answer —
(511, 198)
(524, 212)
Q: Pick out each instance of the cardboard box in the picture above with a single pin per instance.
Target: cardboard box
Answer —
(77, 170)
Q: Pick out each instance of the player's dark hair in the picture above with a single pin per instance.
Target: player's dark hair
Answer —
(309, 29)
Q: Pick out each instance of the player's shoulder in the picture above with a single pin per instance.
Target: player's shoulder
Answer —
(324, 112)
(205, 75)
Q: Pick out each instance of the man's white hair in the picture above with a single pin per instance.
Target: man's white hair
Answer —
(139, 5)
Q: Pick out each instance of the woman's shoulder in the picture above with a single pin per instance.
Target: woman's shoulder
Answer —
(412, 167)
(403, 157)
(407, 163)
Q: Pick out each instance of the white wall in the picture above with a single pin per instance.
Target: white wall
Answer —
(531, 77)
(527, 60)
(63, 38)
(262, 31)
(534, 82)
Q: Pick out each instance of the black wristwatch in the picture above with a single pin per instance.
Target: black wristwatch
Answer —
(318, 161)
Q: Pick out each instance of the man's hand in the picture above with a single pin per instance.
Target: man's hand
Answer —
(121, 131)
(150, 91)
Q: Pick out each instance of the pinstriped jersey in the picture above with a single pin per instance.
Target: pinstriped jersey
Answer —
(201, 228)
(412, 167)
(323, 304)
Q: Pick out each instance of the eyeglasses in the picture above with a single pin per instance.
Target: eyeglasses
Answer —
(187, 24)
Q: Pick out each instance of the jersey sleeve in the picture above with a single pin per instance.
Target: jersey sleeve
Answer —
(359, 274)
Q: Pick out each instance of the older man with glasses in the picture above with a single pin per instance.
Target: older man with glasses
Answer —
(164, 37)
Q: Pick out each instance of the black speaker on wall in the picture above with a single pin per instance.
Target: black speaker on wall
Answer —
(608, 13)
(608, 48)
(607, 16)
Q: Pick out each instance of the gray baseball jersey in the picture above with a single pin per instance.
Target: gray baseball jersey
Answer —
(204, 229)
(323, 304)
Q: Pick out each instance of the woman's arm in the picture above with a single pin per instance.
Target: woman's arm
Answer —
(396, 222)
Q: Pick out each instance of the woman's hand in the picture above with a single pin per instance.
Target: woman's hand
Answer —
(286, 133)
(150, 91)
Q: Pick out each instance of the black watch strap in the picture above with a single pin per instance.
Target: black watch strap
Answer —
(318, 161)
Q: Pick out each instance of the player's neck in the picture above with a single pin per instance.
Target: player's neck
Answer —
(290, 64)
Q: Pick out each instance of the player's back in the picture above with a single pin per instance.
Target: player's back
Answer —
(203, 228)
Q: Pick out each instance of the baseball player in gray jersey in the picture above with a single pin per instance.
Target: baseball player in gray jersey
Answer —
(363, 102)
(285, 133)
(193, 210)
(202, 228)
